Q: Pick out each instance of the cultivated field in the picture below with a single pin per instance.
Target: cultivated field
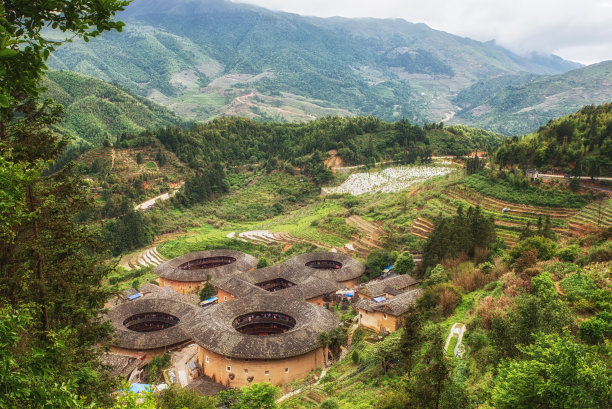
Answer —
(389, 180)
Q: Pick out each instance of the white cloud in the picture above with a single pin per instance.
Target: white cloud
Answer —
(575, 30)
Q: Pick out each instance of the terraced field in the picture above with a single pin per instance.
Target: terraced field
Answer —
(511, 218)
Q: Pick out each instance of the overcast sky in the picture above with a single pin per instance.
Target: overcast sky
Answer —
(577, 30)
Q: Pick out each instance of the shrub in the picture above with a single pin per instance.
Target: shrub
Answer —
(404, 263)
(448, 301)
(546, 247)
(543, 286)
(601, 253)
(476, 340)
(330, 404)
(437, 275)
(578, 285)
(569, 253)
(486, 267)
(157, 365)
(355, 357)
(597, 328)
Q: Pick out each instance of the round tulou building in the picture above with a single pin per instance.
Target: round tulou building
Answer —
(150, 326)
(263, 338)
(187, 273)
(335, 267)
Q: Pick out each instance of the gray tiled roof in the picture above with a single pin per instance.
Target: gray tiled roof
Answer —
(170, 271)
(393, 285)
(212, 328)
(396, 306)
(350, 269)
(125, 338)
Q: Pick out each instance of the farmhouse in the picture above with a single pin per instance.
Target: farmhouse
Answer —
(150, 325)
(385, 315)
(187, 273)
(267, 338)
(388, 287)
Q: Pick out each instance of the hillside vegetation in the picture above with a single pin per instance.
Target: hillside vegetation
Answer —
(520, 104)
(96, 110)
(205, 58)
(580, 144)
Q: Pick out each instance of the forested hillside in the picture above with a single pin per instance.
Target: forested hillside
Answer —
(203, 58)
(579, 144)
(358, 140)
(95, 110)
(520, 104)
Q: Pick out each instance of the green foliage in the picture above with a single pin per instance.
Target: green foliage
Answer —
(24, 48)
(529, 315)
(460, 234)
(176, 397)
(554, 372)
(546, 247)
(130, 231)
(257, 396)
(569, 253)
(31, 376)
(329, 404)
(156, 366)
(528, 195)
(581, 141)
(355, 357)
(207, 291)
(596, 329)
(543, 286)
(578, 285)
(262, 262)
(378, 260)
(404, 264)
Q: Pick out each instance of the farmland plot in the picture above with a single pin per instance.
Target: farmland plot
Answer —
(388, 180)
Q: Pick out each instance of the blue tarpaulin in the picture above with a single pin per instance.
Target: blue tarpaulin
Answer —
(140, 387)
(379, 299)
(133, 297)
(209, 301)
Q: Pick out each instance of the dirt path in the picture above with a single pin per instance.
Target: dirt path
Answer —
(112, 158)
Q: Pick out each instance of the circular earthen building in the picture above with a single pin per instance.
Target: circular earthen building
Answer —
(263, 338)
(187, 273)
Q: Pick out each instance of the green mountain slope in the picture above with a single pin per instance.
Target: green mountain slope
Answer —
(515, 105)
(96, 110)
(580, 143)
(203, 58)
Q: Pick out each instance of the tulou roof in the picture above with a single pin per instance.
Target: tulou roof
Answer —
(350, 269)
(395, 306)
(125, 338)
(306, 286)
(393, 285)
(170, 269)
(212, 328)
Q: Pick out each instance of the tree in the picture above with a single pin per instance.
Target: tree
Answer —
(554, 372)
(208, 290)
(404, 264)
(52, 263)
(25, 46)
(257, 396)
(411, 335)
(430, 376)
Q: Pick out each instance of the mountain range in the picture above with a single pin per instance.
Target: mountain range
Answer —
(205, 58)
